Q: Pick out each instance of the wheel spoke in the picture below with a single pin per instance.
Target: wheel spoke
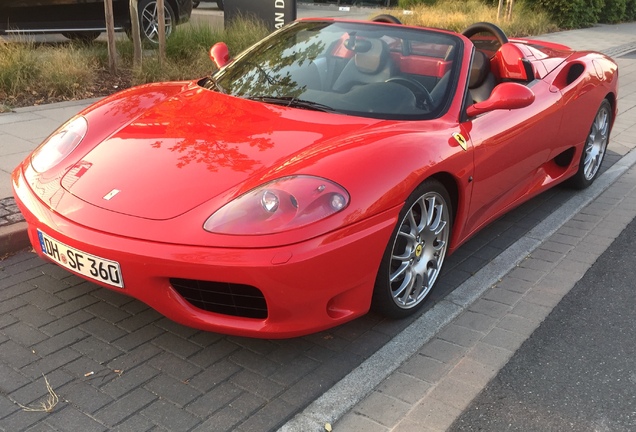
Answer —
(147, 15)
(412, 223)
(400, 271)
(401, 295)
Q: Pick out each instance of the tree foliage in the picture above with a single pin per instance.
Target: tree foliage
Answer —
(630, 10)
(571, 13)
(585, 13)
(614, 11)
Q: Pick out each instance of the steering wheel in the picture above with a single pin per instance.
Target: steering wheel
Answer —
(486, 27)
(423, 98)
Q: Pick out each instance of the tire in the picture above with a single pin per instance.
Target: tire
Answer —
(386, 18)
(594, 148)
(219, 4)
(87, 36)
(195, 4)
(148, 23)
(415, 254)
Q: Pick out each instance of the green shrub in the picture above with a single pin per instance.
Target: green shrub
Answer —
(630, 10)
(571, 13)
(614, 11)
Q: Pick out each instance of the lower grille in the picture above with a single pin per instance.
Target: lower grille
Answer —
(224, 298)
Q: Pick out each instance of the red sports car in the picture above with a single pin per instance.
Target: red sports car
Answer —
(329, 168)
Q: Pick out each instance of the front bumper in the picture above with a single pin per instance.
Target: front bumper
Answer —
(308, 286)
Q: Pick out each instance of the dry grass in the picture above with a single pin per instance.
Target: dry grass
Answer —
(47, 405)
(458, 14)
(66, 70)
(27, 68)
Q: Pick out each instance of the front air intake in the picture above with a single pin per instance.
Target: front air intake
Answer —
(222, 297)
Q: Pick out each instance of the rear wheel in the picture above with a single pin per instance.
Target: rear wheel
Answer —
(594, 148)
(414, 256)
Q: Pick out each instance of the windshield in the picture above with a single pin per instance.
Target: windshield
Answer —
(362, 69)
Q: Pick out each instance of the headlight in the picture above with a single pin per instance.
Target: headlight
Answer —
(59, 145)
(280, 205)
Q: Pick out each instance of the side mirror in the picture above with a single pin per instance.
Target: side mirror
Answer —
(504, 96)
(220, 54)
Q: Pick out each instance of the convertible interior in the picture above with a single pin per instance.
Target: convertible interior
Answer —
(377, 71)
(360, 69)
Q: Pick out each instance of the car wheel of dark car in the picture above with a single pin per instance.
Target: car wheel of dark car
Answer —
(149, 20)
(219, 4)
(414, 256)
(87, 36)
(195, 4)
(594, 148)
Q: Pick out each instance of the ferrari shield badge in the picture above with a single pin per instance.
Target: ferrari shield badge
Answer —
(461, 140)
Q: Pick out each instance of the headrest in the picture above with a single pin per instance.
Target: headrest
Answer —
(371, 60)
(479, 70)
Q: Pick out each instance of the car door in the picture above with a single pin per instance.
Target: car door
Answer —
(511, 150)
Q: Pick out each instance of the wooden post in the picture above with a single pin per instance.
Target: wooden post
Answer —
(136, 36)
(110, 31)
(161, 17)
(499, 9)
(509, 13)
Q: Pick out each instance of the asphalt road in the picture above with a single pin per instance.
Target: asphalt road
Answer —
(577, 372)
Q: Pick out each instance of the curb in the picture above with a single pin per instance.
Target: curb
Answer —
(13, 238)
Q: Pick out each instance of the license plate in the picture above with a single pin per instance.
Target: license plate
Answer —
(91, 266)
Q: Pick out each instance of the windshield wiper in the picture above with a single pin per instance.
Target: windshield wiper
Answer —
(211, 84)
(291, 101)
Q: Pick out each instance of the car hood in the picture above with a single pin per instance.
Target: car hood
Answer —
(193, 146)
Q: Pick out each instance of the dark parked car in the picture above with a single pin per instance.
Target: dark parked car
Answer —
(84, 19)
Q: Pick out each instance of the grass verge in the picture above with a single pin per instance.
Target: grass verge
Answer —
(33, 73)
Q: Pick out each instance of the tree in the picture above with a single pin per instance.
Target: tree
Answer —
(110, 31)
(135, 33)
(161, 36)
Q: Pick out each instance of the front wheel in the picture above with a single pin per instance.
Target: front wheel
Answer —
(414, 256)
(219, 4)
(594, 148)
(149, 20)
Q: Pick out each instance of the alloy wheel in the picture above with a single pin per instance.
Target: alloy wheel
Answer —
(149, 21)
(596, 143)
(419, 250)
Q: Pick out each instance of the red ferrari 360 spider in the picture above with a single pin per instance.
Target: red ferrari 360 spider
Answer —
(329, 168)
